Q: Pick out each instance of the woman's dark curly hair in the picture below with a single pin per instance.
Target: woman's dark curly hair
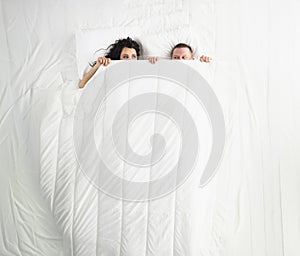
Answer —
(114, 50)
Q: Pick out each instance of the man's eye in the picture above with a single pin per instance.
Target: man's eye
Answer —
(125, 56)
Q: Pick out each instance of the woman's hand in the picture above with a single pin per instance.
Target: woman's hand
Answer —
(102, 61)
(205, 59)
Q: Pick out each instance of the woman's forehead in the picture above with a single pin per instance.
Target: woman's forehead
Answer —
(128, 50)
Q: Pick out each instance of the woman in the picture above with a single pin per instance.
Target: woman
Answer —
(122, 49)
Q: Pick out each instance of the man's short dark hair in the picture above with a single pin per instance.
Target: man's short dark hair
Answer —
(181, 45)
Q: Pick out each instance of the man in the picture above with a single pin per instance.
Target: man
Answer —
(182, 51)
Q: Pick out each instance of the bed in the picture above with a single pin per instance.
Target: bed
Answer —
(51, 206)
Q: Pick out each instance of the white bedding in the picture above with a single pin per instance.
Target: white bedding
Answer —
(250, 207)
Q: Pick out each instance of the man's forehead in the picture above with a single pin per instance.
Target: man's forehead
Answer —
(182, 50)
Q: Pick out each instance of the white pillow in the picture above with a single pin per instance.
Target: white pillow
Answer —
(162, 44)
